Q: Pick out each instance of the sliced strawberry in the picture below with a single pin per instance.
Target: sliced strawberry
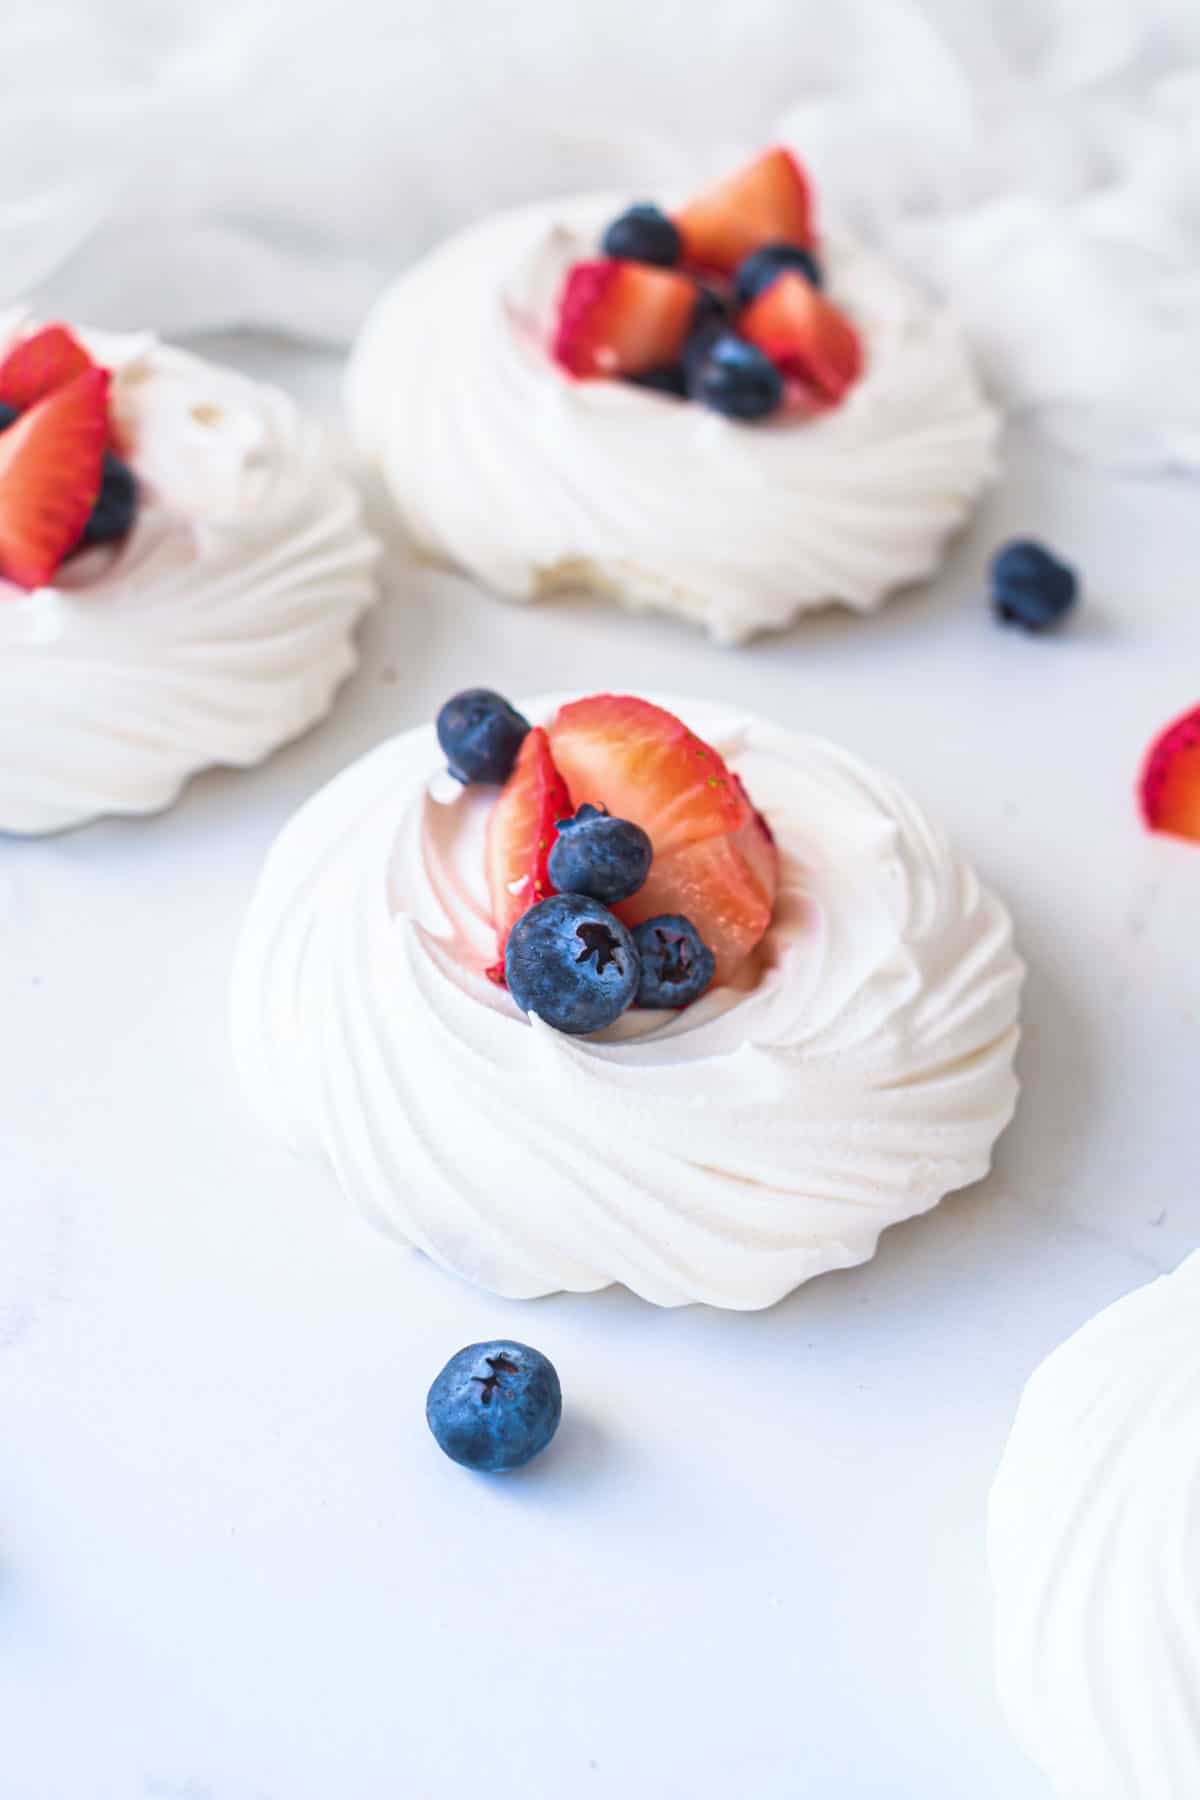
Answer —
(767, 202)
(622, 318)
(1170, 783)
(51, 467)
(520, 837)
(805, 335)
(714, 859)
(40, 365)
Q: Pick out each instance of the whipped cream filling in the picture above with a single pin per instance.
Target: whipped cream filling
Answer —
(1094, 1547)
(533, 482)
(860, 1071)
(220, 627)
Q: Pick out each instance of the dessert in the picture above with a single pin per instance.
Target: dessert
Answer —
(181, 572)
(838, 1054)
(722, 411)
(1094, 1547)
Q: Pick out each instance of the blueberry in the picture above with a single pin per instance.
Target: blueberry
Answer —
(1030, 587)
(7, 415)
(116, 504)
(573, 963)
(759, 270)
(495, 1406)
(643, 234)
(735, 378)
(676, 965)
(670, 379)
(711, 309)
(481, 735)
(605, 858)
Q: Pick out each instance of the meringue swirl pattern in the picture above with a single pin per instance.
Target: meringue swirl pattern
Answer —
(536, 483)
(221, 626)
(1094, 1547)
(726, 1153)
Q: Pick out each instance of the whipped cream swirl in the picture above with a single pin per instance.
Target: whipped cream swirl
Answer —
(218, 629)
(725, 1153)
(1094, 1546)
(535, 483)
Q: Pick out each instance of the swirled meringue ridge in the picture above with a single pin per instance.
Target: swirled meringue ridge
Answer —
(1094, 1548)
(725, 1153)
(536, 483)
(217, 630)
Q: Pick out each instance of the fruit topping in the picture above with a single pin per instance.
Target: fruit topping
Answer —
(676, 966)
(520, 836)
(1169, 790)
(494, 1407)
(622, 318)
(670, 379)
(608, 859)
(573, 963)
(116, 507)
(755, 275)
(51, 464)
(480, 733)
(1031, 587)
(767, 202)
(643, 234)
(40, 365)
(804, 335)
(734, 378)
(714, 860)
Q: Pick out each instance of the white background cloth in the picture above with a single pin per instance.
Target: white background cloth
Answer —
(269, 163)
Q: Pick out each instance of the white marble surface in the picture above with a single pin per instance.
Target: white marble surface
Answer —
(233, 1565)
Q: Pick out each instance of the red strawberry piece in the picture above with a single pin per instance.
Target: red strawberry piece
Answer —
(622, 318)
(40, 365)
(51, 464)
(805, 335)
(767, 202)
(714, 859)
(1170, 785)
(520, 837)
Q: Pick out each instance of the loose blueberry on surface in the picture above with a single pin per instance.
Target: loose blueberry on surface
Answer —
(573, 963)
(495, 1406)
(608, 859)
(736, 379)
(1030, 586)
(668, 380)
(758, 271)
(480, 733)
(116, 504)
(643, 234)
(676, 965)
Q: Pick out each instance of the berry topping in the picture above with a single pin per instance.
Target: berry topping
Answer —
(734, 378)
(755, 275)
(622, 318)
(51, 463)
(676, 966)
(495, 1406)
(714, 861)
(520, 837)
(1170, 784)
(573, 963)
(1030, 587)
(116, 508)
(670, 379)
(480, 734)
(595, 854)
(767, 202)
(40, 365)
(804, 335)
(643, 234)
